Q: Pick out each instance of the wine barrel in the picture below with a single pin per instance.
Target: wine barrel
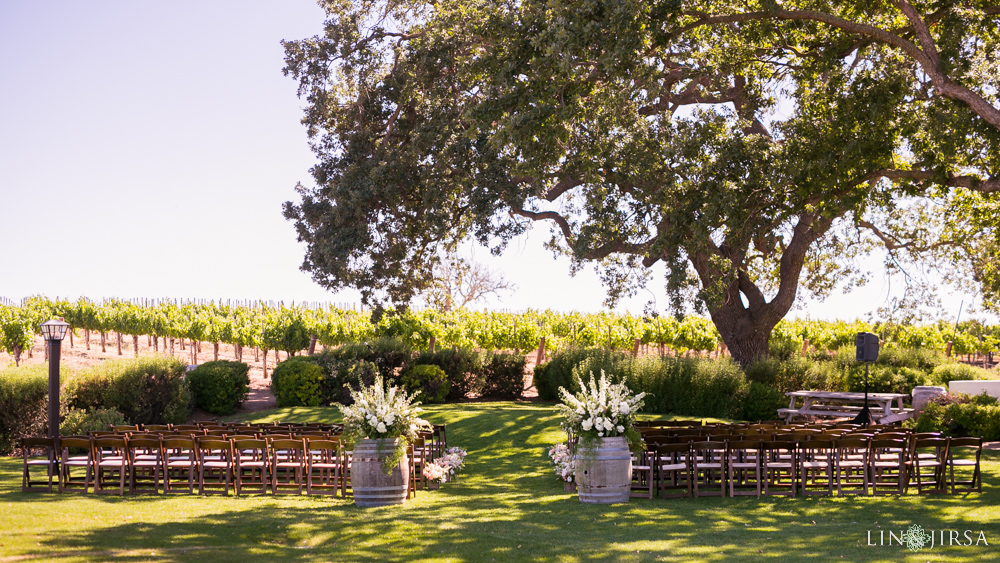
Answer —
(607, 477)
(371, 486)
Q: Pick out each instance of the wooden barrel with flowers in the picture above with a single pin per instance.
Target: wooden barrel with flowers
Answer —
(371, 485)
(604, 475)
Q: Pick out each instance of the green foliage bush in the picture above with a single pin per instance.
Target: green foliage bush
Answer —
(689, 386)
(23, 395)
(147, 390)
(921, 359)
(219, 387)
(885, 379)
(428, 383)
(946, 373)
(388, 355)
(503, 376)
(297, 381)
(798, 373)
(558, 372)
(761, 402)
(960, 415)
(78, 422)
(463, 366)
(341, 375)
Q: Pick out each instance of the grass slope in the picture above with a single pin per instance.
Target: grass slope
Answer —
(507, 505)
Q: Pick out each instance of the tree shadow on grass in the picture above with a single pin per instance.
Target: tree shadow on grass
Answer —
(507, 505)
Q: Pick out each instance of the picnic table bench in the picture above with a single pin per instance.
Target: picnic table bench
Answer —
(846, 405)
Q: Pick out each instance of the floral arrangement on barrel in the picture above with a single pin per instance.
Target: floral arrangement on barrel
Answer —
(601, 410)
(384, 413)
(445, 467)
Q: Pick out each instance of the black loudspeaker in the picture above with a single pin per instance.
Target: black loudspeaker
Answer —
(867, 347)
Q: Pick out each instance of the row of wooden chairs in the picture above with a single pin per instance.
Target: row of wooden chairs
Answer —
(147, 461)
(851, 464)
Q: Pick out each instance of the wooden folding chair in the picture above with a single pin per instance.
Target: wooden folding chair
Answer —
(972, 448)
(851, 465)
(927, 460)
(110, 458)
(323, 465)
(75, 451)
(215, 457)
(252, 465)
(179, 459)
(744, 467)
(145, 467)
(673, 470)
(778, 467)
(48, 459)
(708, 465)
(887, 465)
(288, 457)
(816, 466)
(643, 473)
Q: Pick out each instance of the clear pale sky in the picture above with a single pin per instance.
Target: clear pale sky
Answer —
(146, 149)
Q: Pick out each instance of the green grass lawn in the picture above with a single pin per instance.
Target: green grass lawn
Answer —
(507, 505)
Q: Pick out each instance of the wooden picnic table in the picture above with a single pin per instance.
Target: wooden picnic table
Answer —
(847, 405)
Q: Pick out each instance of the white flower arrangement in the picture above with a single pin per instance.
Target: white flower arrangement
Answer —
(563, 460)
(383, 413)
(602, 408)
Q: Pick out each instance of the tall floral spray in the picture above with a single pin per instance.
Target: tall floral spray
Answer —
(381, 412)
(601, 410)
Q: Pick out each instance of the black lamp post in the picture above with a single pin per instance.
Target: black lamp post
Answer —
(54, 331)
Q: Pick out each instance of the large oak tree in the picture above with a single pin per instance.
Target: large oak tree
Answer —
(753, 149)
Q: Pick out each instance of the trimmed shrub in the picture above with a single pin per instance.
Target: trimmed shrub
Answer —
(23, 398)
(429, 383)
(342, 375)
(388, 355)
(689, 386)
(761, 402)
(78, 422)
(885, 379)
(946, 373)
(798, 373)
(503, 376)
(219, 387)
(146, 390)
(961, 415)
(921, 359)
(558, 372)
(297, 382)
(463, 366)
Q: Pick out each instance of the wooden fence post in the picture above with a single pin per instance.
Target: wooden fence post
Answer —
(947, 349)
(541, 351)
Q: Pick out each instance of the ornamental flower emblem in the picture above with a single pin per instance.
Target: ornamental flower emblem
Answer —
(916, 538)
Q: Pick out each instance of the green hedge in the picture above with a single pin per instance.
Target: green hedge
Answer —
(689, 386)
(297, 381)
(559, 371)
(78, 422)
(24, 393)
(387, 354)
(219, 387)
(503, 376)
(463, 366)
(961, 415)
(146, 390)
(946, 373)
(429, 384)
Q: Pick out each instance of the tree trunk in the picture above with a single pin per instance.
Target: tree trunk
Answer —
(215, 350)
(118, 339)
(86, 336)
(182, 345)
(256, 354)
(745, 339)
(312, 344)
(149, 341)
(156, 343)
(265, 363)
(71, 337)
(104, 340)
(17, 355)
(135, 343)
(171, 346)
(239, 352)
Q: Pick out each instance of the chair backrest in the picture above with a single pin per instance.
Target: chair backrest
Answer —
(250, 447)
(156, 427)
(937, 443)
(211, 445)
(709, 449)
(737, 446)
(239, 437)
(144, 442)
(125, 428)
(75, 442)
(668, 450)
(971, 444)
(177, 443)
(816, 445)
(99, 443)
(31, 442)
(287, 444)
